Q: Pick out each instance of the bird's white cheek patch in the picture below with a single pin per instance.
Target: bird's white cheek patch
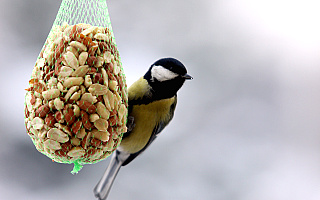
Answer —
(162, 74)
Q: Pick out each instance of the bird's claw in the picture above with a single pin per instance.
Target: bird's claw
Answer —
(130, 123)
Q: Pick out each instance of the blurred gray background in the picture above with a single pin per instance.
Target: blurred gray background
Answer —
(246, 128)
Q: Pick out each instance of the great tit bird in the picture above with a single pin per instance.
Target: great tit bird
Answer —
(152, 101)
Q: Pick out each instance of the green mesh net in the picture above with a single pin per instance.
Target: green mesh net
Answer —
(76, 102)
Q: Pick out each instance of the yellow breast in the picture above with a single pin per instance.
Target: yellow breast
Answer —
(146, 117)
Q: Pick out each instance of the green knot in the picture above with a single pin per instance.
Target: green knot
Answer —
(76, 168)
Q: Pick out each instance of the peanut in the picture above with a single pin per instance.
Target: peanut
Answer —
(89, 98)
(76, 152)
(81, 71)
(83, 58)
(51, 94)
(101, 124)
(79, 46)
(37, 123)
(72, 81)
(71, 59)
(58, 103)
(101, 135)
(57, 135)
(102, 110)
(93, 117)
(52, 144)
(98, 89)
(101, 36)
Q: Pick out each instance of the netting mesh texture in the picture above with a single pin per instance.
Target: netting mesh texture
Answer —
(76, 102)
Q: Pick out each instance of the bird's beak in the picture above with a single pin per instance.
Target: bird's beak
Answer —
(187, 77)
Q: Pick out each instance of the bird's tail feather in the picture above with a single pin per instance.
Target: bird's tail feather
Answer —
(102, 189)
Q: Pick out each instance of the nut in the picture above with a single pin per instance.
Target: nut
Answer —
(87, 81)
(66, 129)
(107, 57)
(70, 92)
(38, 103)
(102, 110)
(117, 101)
(58, 103)
(97, 154)
(57, 135)
(50, 120)
(109, 100)
(71, 59)
(73, 50)
(95, 142)
(75, 141)
(101, 124)
(101, 36)
(105, 77)
(82, 89)
(83, 58)
(97, 78)
(60, 87)
(100, 61)
(52, 82)
(51, 104)
(93, 49)
(92, 70)
(34, 132)
(37, 123)
(65, 72)
(76, 127)
(42, 111)
(60, 153)
(52, 144)
(86, 140)
(122, 112)
(92, 60)
(81, 71)
(89, 98)
(87, 106)
(76, 152)
(69, 116)
(93, 117)
(43, 132)
(98, 89)
(59, 117)
(101, 135)
(108, 146)
(92, 29)
(76, 110)
(75, 96)
(116, 69)
(85, 120)
(58, 66)
(51, 94)
(113, 120)
(81, 133)
(66, 146)
(113, 85)
(79, 46)
(72, 81)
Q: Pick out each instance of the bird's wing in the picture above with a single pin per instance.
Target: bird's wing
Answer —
(157, 129)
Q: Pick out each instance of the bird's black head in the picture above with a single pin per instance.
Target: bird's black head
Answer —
(166, 76)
